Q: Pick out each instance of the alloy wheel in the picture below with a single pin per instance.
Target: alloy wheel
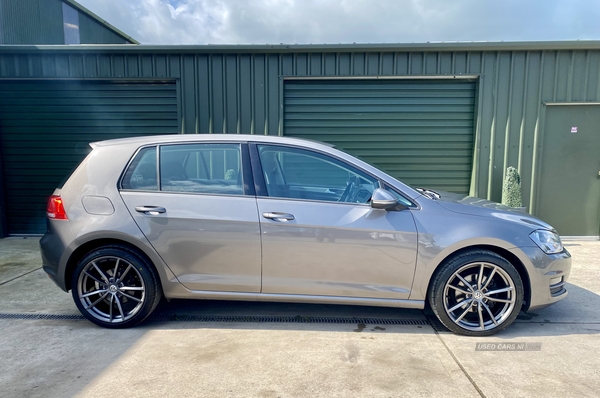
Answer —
(479, 296)
(111, 289)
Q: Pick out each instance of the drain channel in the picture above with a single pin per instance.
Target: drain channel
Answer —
(236, 318)
(286, 319)
(54, 317)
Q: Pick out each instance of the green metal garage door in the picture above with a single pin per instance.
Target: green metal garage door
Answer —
(45, 128)
(419, 131)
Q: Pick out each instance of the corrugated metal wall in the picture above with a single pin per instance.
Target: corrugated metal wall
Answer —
(242, 92)
(90, 31)
(31, 21)
(1, 23)
(41, 22)
(419, 131)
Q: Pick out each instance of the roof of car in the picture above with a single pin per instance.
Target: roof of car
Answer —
(179, 138)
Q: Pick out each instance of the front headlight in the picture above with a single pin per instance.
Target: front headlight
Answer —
(548, 241)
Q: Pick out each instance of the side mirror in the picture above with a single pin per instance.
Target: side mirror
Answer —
(382, 199)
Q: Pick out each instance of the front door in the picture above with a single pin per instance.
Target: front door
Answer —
(569, 176)
(197, 215)
(321, 237)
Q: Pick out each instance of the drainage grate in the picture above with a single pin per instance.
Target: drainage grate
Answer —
(236, 318)
(286, 319)
(53, 317)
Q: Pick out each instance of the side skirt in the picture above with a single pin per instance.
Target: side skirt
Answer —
(294, 298)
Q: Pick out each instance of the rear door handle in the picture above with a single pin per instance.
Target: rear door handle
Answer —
(277, 216)
(151, 210)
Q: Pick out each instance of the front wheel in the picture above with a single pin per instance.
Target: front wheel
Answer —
(115, 287)
(477, 293)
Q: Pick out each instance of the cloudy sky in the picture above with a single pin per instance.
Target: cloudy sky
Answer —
(348, 21)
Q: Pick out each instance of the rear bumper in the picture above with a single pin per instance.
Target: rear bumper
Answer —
(52, 248)
(548, 274)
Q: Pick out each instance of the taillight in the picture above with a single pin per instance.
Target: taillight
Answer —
(55, 208)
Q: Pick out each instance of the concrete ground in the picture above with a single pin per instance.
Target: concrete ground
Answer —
(61, 358)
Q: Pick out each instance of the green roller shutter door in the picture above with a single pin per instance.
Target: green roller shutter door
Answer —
(419, 131)
(45, 128)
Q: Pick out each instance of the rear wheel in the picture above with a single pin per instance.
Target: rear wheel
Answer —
(115, 287)
(477, 293)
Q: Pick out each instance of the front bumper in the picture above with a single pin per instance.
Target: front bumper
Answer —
(548, 274)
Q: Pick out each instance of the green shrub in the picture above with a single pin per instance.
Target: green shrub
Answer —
(231, 174)
(511, 190)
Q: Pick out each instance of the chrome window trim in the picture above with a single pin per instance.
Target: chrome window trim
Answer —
(185, 193)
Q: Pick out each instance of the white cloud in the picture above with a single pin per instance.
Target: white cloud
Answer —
(348, 21)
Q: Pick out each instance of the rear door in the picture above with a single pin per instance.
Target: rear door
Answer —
(197, 208)
(321, 237)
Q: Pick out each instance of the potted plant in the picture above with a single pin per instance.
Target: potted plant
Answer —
(511, 190)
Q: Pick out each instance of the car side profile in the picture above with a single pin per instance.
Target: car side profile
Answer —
(245, 217)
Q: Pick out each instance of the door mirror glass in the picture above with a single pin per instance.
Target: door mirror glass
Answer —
(382, 199)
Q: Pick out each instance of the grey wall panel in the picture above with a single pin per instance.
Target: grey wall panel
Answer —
(241, 92)
(217, 97)
(32, 21)
(91, 32)
(1, 23)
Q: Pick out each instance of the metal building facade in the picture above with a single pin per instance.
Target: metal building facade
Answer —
(240, 89)
(41, 22)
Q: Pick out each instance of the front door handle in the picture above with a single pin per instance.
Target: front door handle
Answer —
(151, 210)
(277, 216)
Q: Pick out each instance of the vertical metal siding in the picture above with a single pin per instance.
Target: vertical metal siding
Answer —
(419, 131)
(32, 21)
(91, 32)
(2, 33)
(241, 93)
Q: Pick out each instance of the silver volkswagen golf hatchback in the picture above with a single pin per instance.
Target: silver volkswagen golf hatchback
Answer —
(240, 217)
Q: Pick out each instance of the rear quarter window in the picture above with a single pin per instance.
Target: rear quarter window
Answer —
(141, 173)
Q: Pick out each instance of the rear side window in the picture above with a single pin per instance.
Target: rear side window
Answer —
(195, 168)
(201, 168)
(141, 174)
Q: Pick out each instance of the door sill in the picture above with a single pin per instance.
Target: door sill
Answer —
(297, 298)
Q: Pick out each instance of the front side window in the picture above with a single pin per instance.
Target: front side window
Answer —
(201, 168)
(303, 174)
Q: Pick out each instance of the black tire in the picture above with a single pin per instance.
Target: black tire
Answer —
(115, 300)
(480, 304)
